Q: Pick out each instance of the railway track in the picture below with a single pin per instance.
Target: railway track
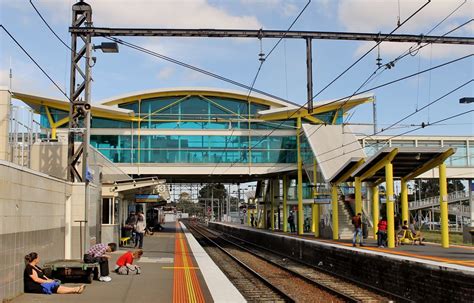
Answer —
(340, 288)
(253, 286)
(295, 287)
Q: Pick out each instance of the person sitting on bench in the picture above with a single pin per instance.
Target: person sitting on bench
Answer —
(97, 253)
(416, 235)
(35, 281)
(125, 266)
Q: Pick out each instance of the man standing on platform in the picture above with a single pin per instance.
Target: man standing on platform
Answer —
(357, 222)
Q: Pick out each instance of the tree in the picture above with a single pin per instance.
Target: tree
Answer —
(217, 191)
(430, 187)
(186, 205)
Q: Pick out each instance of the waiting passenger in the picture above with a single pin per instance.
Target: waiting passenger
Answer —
(417, 235)
(382, 233)
(125, 266)
(35, 281)
(98, 253)
(291, 221)
(252, 219)
(306, 224)
(357, 222)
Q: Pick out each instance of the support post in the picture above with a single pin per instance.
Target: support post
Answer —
(309, 73)
(390, 202)
(265, 223)
(358, 196)
(443, 200)
(335, 212)
(375, 208)
(272, 206)
(315, 207)
(285, 206)
(300, 177)
(5, 101)
(404, 201)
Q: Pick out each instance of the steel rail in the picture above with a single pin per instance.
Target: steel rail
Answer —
(275, 34)
(253, 272)
(333, 291)
(347, 279)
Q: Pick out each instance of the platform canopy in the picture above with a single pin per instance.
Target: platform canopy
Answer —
(408, 162)
(344, 173)
(332, 107)
(333, 146)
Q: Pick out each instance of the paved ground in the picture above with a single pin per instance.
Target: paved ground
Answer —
(155, 284)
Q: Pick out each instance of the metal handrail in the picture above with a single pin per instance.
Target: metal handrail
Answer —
(433, 201)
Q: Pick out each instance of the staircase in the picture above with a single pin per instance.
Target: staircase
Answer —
(345, 221)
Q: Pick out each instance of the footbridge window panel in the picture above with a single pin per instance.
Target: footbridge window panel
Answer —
(195, 149)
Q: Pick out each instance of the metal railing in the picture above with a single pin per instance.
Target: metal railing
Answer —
(24, 131)
(453, 197)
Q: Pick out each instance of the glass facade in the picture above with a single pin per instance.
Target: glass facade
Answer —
(195, 149)
(459, 159)
(462, 157)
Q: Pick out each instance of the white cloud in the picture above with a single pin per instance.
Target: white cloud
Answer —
(382, 15)
(166, 13)
(165, 73)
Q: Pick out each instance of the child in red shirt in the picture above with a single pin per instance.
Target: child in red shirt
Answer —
(125, 266)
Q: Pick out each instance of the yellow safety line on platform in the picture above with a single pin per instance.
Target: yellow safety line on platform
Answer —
(406, 254)
(186, 286)
(467, 263)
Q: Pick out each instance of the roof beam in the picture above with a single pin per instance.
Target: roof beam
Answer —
(275, 34)
(349, 172)
(379, 165)
(430, 164)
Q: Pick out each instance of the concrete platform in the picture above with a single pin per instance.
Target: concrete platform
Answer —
(420, 273)
(456, 256)
(175, 268)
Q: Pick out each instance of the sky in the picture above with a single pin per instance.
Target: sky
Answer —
(283, 73)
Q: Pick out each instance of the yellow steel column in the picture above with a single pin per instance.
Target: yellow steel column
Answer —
(285, 206)
(375, 208)
(300, 177)
(272, 206)
(443, 199)
(390, 202)
(358, 196)
(335, 213)
(404, 200)
(248, 211)
(315, 207)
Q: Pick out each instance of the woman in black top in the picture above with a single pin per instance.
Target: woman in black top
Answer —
(35, 280)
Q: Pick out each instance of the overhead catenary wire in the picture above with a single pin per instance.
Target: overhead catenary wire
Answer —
(51, 29)
(262, 60)
(340, 75)
(402, 119)
(392, 63)
(147, 51)
(406, 132)
(34, 61)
